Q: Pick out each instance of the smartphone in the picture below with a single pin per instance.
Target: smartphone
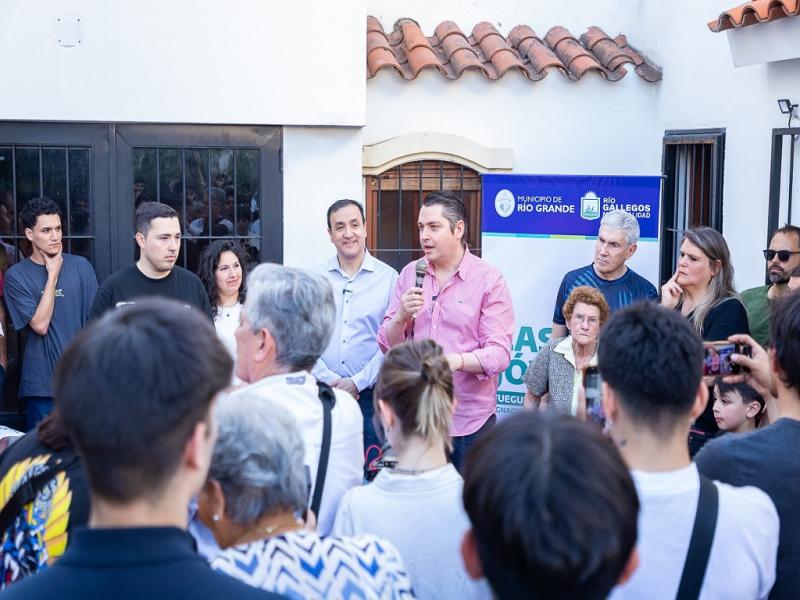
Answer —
(717, 357)
(592, 384)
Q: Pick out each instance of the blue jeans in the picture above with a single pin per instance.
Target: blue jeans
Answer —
(37, 408)
(368, 410)
(463, 443)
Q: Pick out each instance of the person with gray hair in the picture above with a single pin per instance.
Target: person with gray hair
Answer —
(254, 502)
(616, 243)
(286, 324)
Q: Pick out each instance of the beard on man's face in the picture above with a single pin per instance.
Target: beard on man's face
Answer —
(778, 275)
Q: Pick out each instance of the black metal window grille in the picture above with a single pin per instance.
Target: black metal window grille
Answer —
(693, 176)
(60, 173)
(394, 198)
(214, 190)
(782, 184)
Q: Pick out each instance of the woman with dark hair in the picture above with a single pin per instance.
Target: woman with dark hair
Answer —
(223, 271)
(38, 518)
(416, 505)
(702, 290)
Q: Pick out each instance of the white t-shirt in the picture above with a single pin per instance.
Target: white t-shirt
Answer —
(423, 517)
(226, 322)
(298, 393)
(743, 553)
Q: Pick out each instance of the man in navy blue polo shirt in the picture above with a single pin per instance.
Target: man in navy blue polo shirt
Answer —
(621, 286)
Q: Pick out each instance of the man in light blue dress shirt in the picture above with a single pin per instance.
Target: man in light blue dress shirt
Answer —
(362, 286)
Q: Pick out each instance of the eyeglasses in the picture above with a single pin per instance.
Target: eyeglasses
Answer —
(783, 255)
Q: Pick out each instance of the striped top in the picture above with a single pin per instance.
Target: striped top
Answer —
(471, 312)
(305, 565)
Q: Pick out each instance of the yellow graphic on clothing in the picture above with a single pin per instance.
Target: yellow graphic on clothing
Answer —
(46, 518)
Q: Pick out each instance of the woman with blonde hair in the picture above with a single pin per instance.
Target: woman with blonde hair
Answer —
(702, 290)
(416, 504)
(558, 367)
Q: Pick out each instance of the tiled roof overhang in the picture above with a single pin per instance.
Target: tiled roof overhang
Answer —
(451, 52)
(754, 12)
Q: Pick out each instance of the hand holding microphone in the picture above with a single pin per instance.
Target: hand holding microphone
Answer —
(412, 300)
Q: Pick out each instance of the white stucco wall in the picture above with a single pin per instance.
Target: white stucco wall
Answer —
(321, 165)
(186, 61)
(596, 127)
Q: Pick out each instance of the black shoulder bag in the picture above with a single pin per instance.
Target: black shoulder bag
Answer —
(705, 523)
(328, 399)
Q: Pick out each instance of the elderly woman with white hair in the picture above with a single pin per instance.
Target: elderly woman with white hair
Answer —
(254, 501)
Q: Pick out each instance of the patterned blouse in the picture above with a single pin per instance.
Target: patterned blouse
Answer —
(304, 565)
(553, 370)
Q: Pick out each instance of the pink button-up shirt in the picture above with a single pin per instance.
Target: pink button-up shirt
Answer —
(471, 312)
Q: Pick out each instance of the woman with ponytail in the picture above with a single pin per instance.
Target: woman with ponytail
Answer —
(416, 505)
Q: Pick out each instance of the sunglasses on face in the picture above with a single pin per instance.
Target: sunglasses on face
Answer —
(783, 255)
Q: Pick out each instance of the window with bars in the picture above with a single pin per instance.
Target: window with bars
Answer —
(693, 172)
(393, 200)
(215, 192)
(60, 173)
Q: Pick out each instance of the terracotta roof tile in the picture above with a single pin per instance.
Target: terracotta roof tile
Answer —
(754, 12)
(451, 52)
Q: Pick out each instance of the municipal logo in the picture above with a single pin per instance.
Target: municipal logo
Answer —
(504, 203)
(590, 206)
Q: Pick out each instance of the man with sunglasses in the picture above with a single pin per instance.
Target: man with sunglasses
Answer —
(783, 257)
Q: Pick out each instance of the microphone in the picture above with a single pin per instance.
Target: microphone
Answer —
(420, 269)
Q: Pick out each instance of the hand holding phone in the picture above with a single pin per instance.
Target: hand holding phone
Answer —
(593, 385)
(717, 358)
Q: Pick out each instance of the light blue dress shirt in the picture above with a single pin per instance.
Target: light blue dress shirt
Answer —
(361, 302)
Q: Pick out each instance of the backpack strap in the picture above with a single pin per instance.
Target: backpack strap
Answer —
(705, 523)
(328, 399)
(27, 491)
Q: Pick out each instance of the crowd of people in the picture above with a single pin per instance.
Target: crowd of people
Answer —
(331, 433)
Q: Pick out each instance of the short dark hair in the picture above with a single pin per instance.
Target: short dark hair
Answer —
(340, 204)
(147, 211)
(131, 388)
(748, 393)
(784, 330)
(209, 261)
(788, 229)
(547, 525)
(35, 207)
(453, 208)
(652, 358)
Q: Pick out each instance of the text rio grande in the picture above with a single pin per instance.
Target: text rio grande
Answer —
(543, 204)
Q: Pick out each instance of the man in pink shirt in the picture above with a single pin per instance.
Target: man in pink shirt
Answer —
(463, 305)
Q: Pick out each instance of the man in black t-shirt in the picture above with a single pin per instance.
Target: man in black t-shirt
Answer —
(158, 233)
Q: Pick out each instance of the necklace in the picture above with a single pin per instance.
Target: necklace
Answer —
(227, 311)
(402, 471)
(264, 533)
(413, 470)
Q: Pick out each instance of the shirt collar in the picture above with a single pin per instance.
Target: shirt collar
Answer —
(128, 545)
(368, 264)
(565, 347)
(296, 378)
(466, 264)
